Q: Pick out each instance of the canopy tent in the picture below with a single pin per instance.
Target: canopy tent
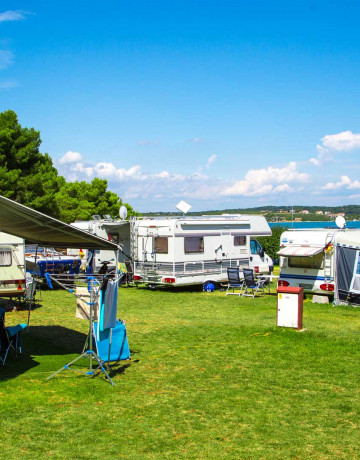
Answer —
(299, 251)
(348, 268)
(36, 227)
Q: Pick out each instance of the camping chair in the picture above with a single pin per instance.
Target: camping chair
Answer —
(113, 345)
(10, 338)
(234, 281)
(29, 295)
(129, 272)
(252, 285)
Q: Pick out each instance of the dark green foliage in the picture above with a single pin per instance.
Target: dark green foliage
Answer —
(26, 175)
(81, 200)
(29, 177)
(271, 244)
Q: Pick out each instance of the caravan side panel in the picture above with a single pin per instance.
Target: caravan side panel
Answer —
(12, 266)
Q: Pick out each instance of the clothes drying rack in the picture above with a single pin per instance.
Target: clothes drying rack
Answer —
(93, 283)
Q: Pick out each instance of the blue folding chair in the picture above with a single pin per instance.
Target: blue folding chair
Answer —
(10, 338)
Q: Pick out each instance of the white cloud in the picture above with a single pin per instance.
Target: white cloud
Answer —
(282, 188)
(259, 182)
(345, 141)
(344, 182)
(6, 59)
(342, 142)
(13, 15)
(70, 157)
(354, 185)
(133, 183)
(210, 161)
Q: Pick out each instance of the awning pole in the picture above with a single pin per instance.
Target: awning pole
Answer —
(33, 280)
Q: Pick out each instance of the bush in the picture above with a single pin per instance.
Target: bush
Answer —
(271, 244)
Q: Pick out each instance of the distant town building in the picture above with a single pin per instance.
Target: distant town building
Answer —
(319, 212)
(304, 211)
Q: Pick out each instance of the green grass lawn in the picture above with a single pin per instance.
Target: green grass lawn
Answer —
(210, 377)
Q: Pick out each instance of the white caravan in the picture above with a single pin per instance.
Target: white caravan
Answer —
(117, 231)
(183, 250)
(178, 251)
(317, 260)
(12, 266)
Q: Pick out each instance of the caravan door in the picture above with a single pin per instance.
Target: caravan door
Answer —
(223, 250)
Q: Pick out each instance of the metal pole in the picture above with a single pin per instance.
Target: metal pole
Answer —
(117, 271)
(33, 280)
(91, 320)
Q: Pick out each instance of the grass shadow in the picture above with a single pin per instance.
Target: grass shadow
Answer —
(64, 340)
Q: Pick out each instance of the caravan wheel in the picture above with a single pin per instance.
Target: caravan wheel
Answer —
(210, 286)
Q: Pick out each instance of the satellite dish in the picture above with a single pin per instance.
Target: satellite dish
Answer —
(183, 206)
(340, 221)
(123, 212)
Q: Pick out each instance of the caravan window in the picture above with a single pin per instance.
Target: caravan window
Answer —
(316, 262)
(255, 247)
(240, 240)
(193, 244)
(5, 258)
(161, 245)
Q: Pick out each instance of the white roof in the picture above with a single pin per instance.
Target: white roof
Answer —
(299, 251)
(320, 237)
(349, 238)
(246, 224)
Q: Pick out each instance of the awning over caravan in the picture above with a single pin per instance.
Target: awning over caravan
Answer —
(35, 227)
(299, 251)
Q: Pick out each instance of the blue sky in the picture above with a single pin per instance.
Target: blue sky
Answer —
(223, 104)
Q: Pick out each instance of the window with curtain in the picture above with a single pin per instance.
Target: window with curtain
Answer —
(193, 244)
(161, 245)
(316, 261)
(240, 240)
(5, 257)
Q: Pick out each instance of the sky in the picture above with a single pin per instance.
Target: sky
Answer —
(223, 104)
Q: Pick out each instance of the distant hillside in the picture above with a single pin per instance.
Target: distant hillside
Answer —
(280, 212)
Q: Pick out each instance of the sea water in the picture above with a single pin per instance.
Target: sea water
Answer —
(309, 225)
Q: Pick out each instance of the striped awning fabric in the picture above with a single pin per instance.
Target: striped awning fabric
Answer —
(299, 251)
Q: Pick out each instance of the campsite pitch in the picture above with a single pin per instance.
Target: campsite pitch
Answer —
(210, 377)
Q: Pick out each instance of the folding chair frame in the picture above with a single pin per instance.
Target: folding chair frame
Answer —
(252, 285)
(238, 284)
(12, 343)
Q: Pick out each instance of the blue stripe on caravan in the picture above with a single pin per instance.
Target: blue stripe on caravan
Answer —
(302, 277)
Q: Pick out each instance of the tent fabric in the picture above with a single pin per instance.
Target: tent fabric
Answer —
(299, 251)
(35, 227)
(345, 261)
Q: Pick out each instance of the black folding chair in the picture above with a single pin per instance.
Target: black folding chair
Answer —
(252, 285)
(129, 272)
(234, 282)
